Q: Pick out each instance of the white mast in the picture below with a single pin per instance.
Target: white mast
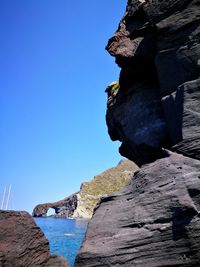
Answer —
(8, 197)
(4, 193)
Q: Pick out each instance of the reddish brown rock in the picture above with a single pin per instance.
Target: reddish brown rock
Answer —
(22, 243)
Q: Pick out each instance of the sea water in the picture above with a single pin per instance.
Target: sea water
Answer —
(65, 235)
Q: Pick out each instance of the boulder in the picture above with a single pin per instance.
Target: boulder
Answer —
(23, 244)
(153, 222)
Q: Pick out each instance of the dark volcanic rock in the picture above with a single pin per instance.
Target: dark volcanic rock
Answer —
(154, 222)
(63, 208)
(22, 243)
(135, 114)
(178, 48)
(157, 47)
(183, 118)
(135, 119)
(157, 10)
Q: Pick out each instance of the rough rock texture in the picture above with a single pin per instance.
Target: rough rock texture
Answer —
(135, 119)
(153, 222)
(183, 118)
(63, 208)
(82, 204)
(157, 47)
(22, 243)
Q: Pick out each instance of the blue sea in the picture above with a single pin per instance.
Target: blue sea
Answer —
(65, 235)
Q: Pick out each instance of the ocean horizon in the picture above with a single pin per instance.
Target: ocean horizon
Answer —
(65, 235)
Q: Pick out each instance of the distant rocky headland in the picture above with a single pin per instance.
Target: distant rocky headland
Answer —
(82, 203)
(154, 111)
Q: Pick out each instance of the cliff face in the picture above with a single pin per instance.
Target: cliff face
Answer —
(155, 220)
(157, 48)
(23, 243)
(82, 204)
(109, 181)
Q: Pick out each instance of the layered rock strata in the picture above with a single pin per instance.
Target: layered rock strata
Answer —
(22, 243)
(82, 204)
(154, 221)
(154, 112)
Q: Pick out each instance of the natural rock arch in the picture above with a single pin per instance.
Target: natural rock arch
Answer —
(64, 208)
(50, 212)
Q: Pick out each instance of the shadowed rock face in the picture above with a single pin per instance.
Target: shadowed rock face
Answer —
(23, 244)
(155, 220)
(183, 117)
(135, 119)
(157, 47)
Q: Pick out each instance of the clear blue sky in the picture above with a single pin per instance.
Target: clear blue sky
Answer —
(53, 72)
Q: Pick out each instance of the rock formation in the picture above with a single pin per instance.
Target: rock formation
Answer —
(82, 204)
(23, 244)
(63, 208)
(155, 220)
(157, 47)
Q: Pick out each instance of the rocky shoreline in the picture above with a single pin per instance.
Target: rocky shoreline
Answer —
(81, 204)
